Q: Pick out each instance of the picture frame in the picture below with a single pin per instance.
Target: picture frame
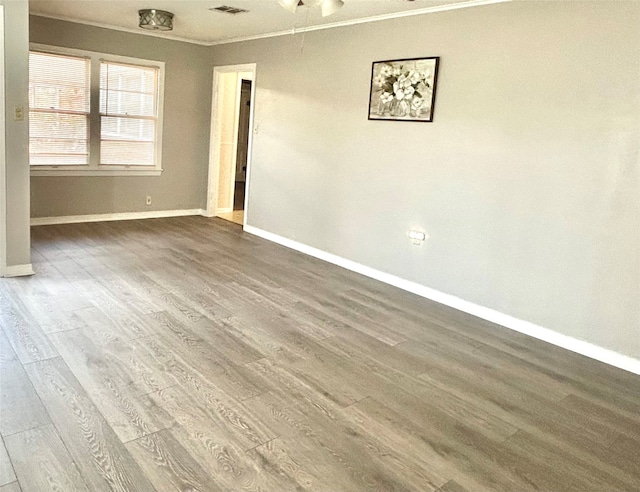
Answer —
(403, 90)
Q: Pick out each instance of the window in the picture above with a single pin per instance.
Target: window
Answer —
(128, 114)
(94, 114)
(58, 110)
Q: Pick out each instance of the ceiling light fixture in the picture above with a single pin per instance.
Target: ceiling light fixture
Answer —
(328, 6)
(155, 20)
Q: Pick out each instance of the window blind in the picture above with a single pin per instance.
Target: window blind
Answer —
(128, 113)
(59, 91)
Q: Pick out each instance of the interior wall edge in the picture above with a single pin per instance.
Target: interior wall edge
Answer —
(581, 347)
(3, 185)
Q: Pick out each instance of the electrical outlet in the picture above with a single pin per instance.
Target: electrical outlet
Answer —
(417, 237)
(148, 200)
(18, 113)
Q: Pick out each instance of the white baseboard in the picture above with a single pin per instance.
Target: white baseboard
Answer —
(19, 270)
(224, 210)
(579, 346)
(75, 219)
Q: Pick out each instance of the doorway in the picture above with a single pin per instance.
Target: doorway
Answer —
(244, 113)
(230, 152)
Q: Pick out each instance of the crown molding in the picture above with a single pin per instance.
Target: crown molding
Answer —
(363, 20)
(131, 30)
(287, 32)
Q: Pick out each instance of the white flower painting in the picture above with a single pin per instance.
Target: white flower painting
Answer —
(403, 90)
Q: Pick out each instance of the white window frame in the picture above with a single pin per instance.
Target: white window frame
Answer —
(94, 168)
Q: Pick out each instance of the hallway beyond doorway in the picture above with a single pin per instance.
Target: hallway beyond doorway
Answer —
(237, 216)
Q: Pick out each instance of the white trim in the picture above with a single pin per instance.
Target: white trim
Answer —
(97, 55)
(363, 20)
(225, 210)
(376, 18)
(3, 171)
(95, 172)
(573, 344)
(19, 270)
(214, 145)
(93, 166)
(132, 30)
(214, 137)
(75, 219)
(252, 129)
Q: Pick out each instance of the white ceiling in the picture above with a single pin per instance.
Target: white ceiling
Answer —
(194, 21)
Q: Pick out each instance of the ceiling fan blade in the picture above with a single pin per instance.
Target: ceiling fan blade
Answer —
(331, 7)
(290, 5)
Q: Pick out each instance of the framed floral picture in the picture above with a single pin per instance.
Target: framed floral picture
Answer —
(403, 90)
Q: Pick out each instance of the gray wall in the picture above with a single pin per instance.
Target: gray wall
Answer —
(527, 182)
(185, 152)
(16, 47)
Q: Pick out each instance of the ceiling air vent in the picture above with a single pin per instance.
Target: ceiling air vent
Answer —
(229, 10)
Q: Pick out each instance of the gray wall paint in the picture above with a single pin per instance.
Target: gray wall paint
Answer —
(16, 47)
(187, 110)
(528, 181)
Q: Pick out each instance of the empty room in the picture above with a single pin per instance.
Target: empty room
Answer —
(321, 245)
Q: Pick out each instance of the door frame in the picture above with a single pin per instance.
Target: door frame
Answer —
(3, 167)
(214, 144)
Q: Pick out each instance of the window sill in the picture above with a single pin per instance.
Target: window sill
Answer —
(96, 172)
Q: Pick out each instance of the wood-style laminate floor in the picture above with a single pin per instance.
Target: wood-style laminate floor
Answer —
(183, 354)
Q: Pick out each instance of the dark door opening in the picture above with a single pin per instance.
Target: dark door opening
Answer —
(243, 145)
